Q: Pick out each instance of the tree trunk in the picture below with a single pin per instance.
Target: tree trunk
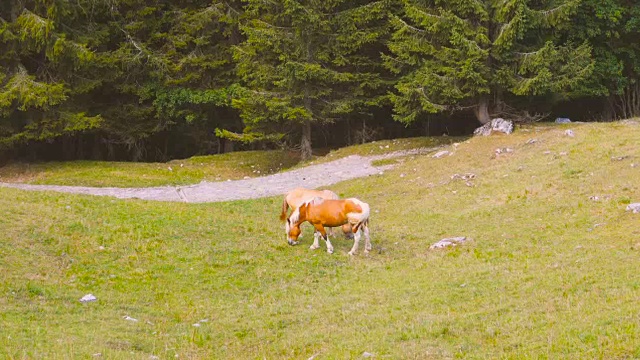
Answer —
(96, 151)
(228, 146)
(136, 151)
(111, 151)
(609, 112)
(364, 130)
(80, 148)
(630, 102)
(305, 144)
(482, 110)
(67, 148)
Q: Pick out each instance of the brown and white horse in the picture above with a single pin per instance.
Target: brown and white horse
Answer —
(296, 197)
(331, 213)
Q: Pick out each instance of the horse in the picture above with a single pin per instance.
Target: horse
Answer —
(296, 197)
(331, 213)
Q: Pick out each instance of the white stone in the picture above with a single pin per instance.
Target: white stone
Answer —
(454, 241)
(498, 124)
(88, 298)
(634, 208)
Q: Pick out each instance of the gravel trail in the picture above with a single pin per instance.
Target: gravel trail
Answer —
(312, 177)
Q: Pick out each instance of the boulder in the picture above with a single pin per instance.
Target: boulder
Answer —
(495, 125)
(634, 208)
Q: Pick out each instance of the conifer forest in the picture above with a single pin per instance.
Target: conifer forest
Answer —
(153, 80)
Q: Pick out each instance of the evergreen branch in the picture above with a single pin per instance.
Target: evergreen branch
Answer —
(354, 9)
(424, 94)
(132, 41)
(399, 61)
(546, 13)
(420, 31)
(472, 42)
(273, 26)
(527, 54)
(135, 44)
(427, 14)
(139, 47)
(442, 77)
(232, 8)
(502, 30)
(267, 93)
(35, 16)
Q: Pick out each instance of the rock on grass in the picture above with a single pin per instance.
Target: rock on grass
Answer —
(634, 208)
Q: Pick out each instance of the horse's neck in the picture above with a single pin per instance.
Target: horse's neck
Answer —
(303, 215)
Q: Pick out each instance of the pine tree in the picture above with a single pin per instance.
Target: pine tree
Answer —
(172, 66)
(453, 55)
(307, 62)
(44, 70)
(612, 27)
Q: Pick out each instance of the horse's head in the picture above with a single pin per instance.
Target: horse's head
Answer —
(293, 224)
(293, 232)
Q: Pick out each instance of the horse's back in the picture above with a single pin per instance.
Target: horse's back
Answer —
(300, 195)
(358, 208)
(345, 206)
(329, 195)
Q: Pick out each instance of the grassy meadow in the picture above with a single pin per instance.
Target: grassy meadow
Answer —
(551, 271)
(222, 167)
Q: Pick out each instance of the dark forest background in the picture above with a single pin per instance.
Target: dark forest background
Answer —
(145, 80)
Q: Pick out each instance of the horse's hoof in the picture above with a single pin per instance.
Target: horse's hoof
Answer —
(313, 247)
(352, 253)
(330, 251)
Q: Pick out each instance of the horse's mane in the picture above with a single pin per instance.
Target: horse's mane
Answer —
(295, 215)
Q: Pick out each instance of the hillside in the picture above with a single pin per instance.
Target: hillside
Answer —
(550, 271)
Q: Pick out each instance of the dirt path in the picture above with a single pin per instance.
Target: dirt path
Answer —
(313, 176)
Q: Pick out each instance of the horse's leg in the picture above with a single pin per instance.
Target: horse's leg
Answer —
(316, 244)
(356, 240)
(367, 239)
(346, 230)
(323, 232)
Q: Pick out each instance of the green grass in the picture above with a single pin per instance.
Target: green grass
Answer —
(382, 147)
(385, 146)
(549, 273)
(233, 166)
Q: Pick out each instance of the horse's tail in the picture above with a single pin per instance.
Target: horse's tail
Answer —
(285, 206)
